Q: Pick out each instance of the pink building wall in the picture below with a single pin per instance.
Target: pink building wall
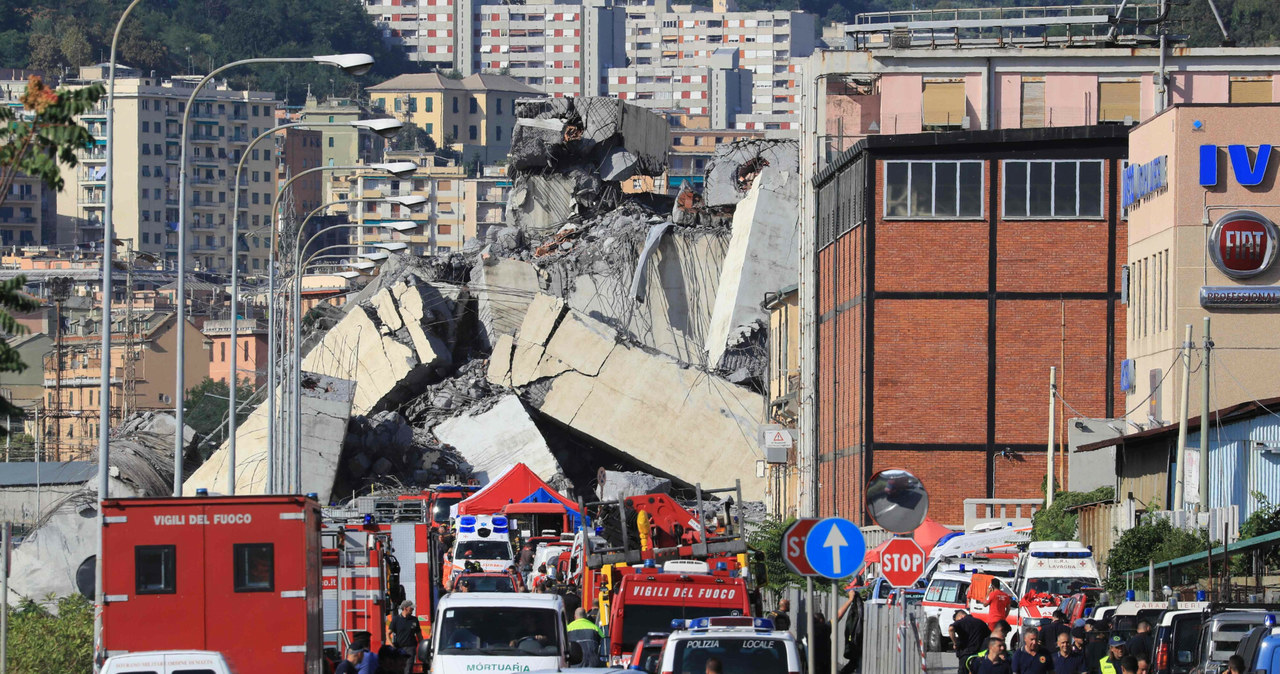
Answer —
(975, 100)
(1199, 88)
(1009, 100)
(1070, 100)
(901, 102)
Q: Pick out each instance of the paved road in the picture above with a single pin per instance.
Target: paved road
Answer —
(942, 663)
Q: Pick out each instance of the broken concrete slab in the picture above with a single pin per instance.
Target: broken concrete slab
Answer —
(496, 439)
(503, 288)
(731, 172)
(540, 203)
(618, 165)
(676, 420)
(620, 484)
(763, 256)
(535, 143)
(326, 407)
(610, 122)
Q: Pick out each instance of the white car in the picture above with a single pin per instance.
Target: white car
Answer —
(740, 643)
(500, 632)
(167, 662)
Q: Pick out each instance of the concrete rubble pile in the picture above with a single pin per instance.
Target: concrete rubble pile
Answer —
(568, 156)
(56, 559)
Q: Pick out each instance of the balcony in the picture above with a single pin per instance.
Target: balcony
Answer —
(99, 153)
(238, 138)
(18, 220)
(91, 200)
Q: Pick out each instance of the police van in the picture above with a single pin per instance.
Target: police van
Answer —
(740, 643)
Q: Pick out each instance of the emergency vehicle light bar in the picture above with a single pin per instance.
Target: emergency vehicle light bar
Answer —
(1074, 554)
(723, 621)
(467, 524)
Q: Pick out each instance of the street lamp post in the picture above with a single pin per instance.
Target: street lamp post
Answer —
(398, 169)
(104, 385)
(385, 127)
(357, 64)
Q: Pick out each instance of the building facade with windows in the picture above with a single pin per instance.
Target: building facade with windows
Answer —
(147, 130)
(953, 270)
(442, 225)
(28, 216)
(474, 115)
(718, 89)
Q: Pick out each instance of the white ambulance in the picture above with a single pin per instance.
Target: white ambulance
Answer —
(484, 540)
(1049, 572)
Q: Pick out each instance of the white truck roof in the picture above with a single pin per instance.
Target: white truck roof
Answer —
(504, 599)
(164, 660)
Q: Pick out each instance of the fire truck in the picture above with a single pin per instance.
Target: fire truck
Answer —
(660, 562)
(379, 551)
(235, 574)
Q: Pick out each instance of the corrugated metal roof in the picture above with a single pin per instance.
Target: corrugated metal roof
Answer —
(23, 473)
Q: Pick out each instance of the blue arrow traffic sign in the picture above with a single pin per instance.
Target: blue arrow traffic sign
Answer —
(835, 548)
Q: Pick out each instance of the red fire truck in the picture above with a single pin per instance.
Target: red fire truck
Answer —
(379, 551)
(235, 574)
(661, 562)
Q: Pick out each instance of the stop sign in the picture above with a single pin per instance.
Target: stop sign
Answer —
(793, 550)
(902, 562)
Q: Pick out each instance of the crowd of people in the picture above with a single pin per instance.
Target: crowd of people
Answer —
(1054, 647)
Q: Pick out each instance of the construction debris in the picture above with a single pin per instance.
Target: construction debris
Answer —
(734, 169)
(494, 440)
(618, 485)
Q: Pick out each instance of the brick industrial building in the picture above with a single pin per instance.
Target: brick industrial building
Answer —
(953, 270)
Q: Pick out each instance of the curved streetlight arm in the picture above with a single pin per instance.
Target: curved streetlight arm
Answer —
(298, 245)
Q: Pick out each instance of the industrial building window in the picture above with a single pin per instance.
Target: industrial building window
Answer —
(933, 189)
(254, 567)
(1053, 189)
(1250, 91)
(154, 568)
(1118, 101)
(1033, 103)
(944, 105)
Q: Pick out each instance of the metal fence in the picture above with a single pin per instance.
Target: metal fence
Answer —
(893, 640)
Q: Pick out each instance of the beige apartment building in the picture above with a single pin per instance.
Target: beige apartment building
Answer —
(27, 212)
(1202, 182)
(342, 146)
(473, 115)
(147, 130)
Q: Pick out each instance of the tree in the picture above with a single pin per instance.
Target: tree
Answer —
(767, 538)
(47, 135)
(1264, 520)
(45, 53)
(75, 46)
(40, 641)
(206, 404)
(1055, 523)
(1155, 539)
(412, 137)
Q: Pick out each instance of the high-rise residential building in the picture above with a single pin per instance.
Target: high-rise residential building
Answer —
(426, 30)
(441, 225)
(766, 42)
(718, 89)
(27, 214)
(340, 146)
(473, 115)
(148, 117)
(484, 200)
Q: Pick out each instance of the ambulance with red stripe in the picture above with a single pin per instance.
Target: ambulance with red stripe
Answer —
(1049, 572)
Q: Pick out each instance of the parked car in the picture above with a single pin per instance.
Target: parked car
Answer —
(1220, 635)
(1177, 634)
(880, 589)
(648, 653)
(167, 662)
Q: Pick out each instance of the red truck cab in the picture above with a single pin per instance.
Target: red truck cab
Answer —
(235, 574)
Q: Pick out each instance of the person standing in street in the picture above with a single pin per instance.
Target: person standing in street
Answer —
(1050, 630)
(1032, 658)
(851, 612)
(1000, 631)
(1235, 664)
(404, 633)
(1141, 644)
(368, 663)
(1067, 659)
(997, 602)
(821, 643)
(969, 635)
(589, 636)
(781, 618)
(995, 661)
(349, 664)
(1129, 665)
(1110, 663)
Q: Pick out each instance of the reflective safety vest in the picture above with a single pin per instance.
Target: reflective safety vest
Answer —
(1105, 665)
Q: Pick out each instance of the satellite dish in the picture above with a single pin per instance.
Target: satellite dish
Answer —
(897, 501)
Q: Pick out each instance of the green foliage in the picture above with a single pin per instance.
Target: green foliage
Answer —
(412, 137)
(36, 143)
(157, 36)
(42, 642)
(206, 407)
(1153, 540)
(1264, 520)
(767, 538)
(1055, 523)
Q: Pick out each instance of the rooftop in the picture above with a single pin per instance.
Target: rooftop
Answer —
(436, 82)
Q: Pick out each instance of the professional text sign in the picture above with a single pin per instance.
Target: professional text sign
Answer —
(1140, 181)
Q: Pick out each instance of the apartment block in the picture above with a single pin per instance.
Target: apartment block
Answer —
(766, 42)
(719, 89)
(298, 150)
(149, 114)
(440, 221)
(343, 146)
(473, 115)
(484, 200)
(27, 215)
(425, 29)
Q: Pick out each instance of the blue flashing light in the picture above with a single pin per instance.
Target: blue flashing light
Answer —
(962, 568)
(1130, 595)
(764, 624)
(650, 564)
(499, 521)
(677, 624)
(1270, 620)
(202, 492)
(722, 566)
(368, 519)
(313, 496)
(700, 623)
(1200, 595)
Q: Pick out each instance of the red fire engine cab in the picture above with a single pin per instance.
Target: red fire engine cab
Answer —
(662, 562)
(234, 574)
(379, 551)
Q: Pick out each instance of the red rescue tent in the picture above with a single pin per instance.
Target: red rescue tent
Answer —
(516, 485)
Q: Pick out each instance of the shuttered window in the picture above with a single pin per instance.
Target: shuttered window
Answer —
(1032, 103)
(944, 104)
(1250, 91)
(1117, 100)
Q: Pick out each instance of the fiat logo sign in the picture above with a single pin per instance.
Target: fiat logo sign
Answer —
(1243, 244)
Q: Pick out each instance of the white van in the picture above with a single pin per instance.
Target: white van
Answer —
(167, 662)
(500, 632)
(1048, 573)
(483, 539)
(740, 643)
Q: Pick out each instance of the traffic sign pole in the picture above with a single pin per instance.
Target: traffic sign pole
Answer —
(808, 621)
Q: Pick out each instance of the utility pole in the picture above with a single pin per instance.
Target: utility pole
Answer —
(1053, 408)
(1204, 421)
(1179, 487)
(129, 385)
